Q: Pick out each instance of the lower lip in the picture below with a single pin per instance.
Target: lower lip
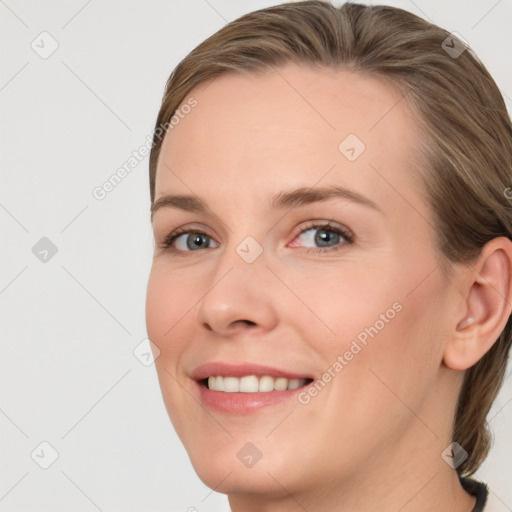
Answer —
(243, 403)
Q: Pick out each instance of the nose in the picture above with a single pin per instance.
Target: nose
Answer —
(239, 297)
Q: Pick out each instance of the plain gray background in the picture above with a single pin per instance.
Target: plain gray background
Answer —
(70, 324)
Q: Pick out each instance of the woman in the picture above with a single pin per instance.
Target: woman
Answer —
(330, 292)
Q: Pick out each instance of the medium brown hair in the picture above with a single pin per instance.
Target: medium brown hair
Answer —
(468, 137)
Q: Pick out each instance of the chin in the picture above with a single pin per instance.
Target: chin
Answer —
(235, 467)
(237, 480)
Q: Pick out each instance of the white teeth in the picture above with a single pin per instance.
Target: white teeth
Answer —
(231, 384)
(280, 384)
(216, 382)
(249, 384)
(266, 383)
(253, 384)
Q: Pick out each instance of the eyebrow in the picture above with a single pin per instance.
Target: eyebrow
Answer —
(286, 199)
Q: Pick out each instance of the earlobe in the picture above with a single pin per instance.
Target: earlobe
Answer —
(488, 304)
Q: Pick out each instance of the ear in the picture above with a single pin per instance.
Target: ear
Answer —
(487, 296)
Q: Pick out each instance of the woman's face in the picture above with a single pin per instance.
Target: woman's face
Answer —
(357, 320)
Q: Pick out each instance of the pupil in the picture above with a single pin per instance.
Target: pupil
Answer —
(196, 241)
(324, 236)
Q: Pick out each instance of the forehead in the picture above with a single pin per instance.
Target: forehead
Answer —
(294, 124)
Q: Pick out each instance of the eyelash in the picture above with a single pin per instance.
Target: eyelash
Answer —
(349, 238)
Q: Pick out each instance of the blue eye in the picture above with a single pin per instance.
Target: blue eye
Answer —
(327, 237)
(192, 240)
(195, 239)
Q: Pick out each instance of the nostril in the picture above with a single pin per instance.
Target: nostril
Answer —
(247, 322)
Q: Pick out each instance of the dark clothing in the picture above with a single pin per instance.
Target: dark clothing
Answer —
(477, 489)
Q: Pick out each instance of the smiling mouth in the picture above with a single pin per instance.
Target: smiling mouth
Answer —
(253, 384)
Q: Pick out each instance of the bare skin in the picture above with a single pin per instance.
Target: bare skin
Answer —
(372, 437)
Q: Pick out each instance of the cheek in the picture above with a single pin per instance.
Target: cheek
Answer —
(352, 305)
(400, 364)
(167, 303)
(168, 300)
(157, 307)
(384, 341)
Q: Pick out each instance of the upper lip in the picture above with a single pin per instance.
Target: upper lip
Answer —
(214, 369)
